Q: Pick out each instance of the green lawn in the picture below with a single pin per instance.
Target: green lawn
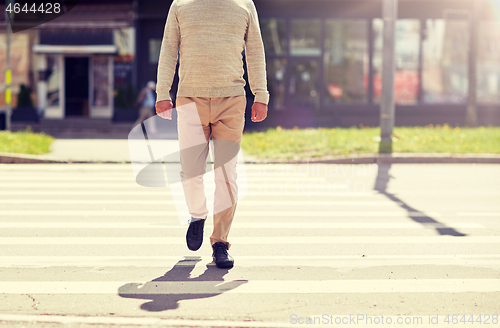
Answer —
(25, 142)
(283, 144)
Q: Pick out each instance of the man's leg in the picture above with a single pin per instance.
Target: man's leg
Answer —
(227, 120)
(194, 133)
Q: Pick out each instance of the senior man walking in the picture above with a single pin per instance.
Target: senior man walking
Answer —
(209, 37)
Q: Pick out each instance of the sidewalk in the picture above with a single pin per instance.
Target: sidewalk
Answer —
(117, 151)
(84, 151)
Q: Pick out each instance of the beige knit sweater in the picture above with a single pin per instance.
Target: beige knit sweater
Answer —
(210, 36)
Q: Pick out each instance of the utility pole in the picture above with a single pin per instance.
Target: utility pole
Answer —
(471, 115)
(389, 13)
(135, 6)
(8, 72)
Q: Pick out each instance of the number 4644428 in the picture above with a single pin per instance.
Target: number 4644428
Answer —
(43, 8)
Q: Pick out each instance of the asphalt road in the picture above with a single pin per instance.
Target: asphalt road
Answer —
(85, 245)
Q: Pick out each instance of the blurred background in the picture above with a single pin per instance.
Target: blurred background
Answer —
(324, 61)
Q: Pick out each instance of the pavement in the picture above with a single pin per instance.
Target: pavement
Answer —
(117, 151)
(84, 245)
(84, 151)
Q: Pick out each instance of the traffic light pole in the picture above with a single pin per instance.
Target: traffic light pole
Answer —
(471, 114)
(390, 9)
(8, 72)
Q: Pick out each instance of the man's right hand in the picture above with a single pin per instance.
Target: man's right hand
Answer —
(164, 109)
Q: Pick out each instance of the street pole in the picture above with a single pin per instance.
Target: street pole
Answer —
(471, 115)
(8, 72)
(389, 13)
(135, 6)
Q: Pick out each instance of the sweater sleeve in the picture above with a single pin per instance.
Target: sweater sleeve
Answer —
(255, 57)
(168, 55)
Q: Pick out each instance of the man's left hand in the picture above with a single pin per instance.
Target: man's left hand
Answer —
(259, 112)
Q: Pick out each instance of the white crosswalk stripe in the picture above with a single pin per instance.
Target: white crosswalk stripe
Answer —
(240, 225)
(277, 203)
(105, 213)
(347, 261)
(253, 287)
(136, 192)
(51, 223)
(275, 240)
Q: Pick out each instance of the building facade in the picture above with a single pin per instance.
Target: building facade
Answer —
(75, 63)
(324, 59)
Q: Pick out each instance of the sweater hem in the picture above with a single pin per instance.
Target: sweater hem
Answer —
(211, 92)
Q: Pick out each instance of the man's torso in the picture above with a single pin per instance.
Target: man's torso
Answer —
(212, 39)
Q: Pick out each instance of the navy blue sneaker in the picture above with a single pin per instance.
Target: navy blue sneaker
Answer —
(221, 258)
(194, 236)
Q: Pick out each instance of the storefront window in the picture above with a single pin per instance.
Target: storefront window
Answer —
(53, 80)
(305, 37)
(100, 71)
(276, 72)
(346, 61)
(274, 35)
(445, 62)
(303, 84)
(488, 63)
(406, 79)
(154, 50)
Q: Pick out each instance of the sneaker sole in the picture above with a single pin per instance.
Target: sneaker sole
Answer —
(194, 249)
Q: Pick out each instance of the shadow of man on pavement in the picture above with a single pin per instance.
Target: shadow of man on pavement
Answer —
(166, 291)
(383, 178)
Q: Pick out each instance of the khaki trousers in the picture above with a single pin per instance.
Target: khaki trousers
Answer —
(222, 118)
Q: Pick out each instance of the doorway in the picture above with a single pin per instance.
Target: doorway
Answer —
(76, 84)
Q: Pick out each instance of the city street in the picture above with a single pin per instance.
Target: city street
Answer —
(85, 244)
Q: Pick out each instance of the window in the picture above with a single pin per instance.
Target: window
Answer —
(274, 36)
(303, 84)
(100, 71)
(488, 63)
(406, 80)
(346, 61)
(53, 80)
(445, 62)
(276, 72)
(305, 37)
(154, 50)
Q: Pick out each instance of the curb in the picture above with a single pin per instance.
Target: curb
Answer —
(25, 159)
(397, 158)
(10, 158)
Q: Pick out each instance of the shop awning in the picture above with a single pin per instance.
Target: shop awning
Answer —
(65, 49)
(76, 41)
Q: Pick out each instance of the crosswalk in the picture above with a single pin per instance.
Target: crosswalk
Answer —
(88, 234)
